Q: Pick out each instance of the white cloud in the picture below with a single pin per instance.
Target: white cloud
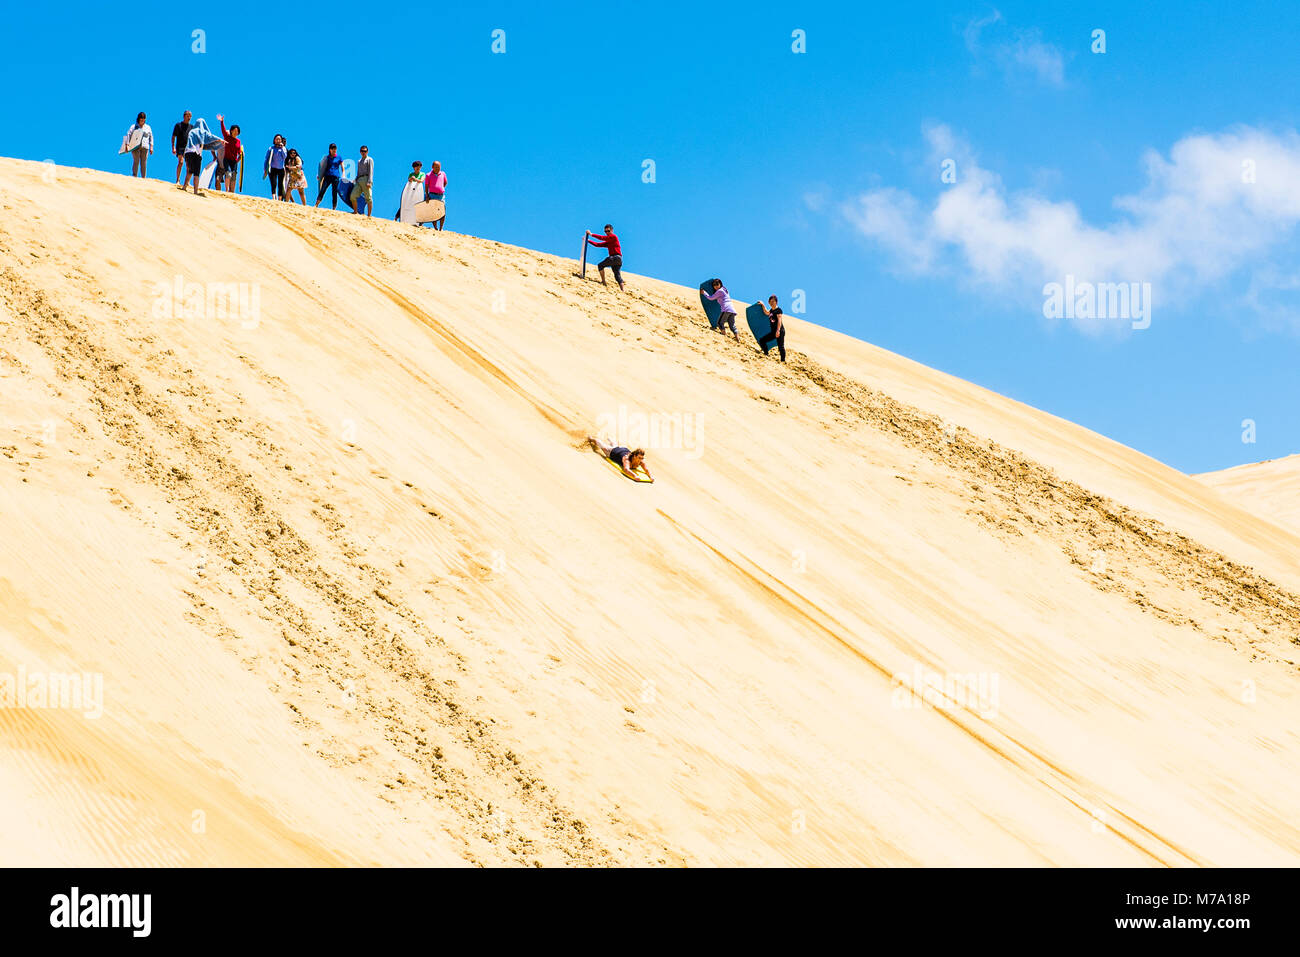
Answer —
(1024, 50)
(1199, 218)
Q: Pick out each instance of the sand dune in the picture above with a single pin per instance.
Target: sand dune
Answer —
(1269, 489)
(358, 593)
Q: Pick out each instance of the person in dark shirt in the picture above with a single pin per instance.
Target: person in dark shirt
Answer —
(777, 334)
(614, 260)
(180, 133)
(629, 461)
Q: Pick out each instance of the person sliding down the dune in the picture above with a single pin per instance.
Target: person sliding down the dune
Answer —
(629, 460)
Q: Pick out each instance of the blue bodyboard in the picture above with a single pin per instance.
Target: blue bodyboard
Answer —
(759, 324)
(712, 308)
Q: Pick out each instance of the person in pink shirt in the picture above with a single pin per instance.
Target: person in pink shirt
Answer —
(435, 187)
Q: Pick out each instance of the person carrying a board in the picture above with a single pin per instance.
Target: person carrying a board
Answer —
(273, 166)
(197, 140)
(435, 187)
(777, 335)
(630, 461)
(180, 133)
(295, 177)
(329, 173)
(234, 153)
(139, 137)
(614, 260)
(723, 298)
(364, 182)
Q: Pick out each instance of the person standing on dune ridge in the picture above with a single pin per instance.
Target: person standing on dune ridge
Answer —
(614, 260)
(197, 140)
(273, 166)
(180, 133)
(363, 194)
(233, 154)
(295, 177)
(144, 149)
(329, 173)
(435, 187)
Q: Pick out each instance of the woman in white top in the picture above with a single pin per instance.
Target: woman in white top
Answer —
(139, 140)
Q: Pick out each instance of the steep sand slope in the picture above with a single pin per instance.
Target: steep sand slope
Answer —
(359, 594)
(1269, 489)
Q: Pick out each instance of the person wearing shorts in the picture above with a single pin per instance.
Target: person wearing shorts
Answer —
(197, 140)
(728, 317)
(629, 460)
(180, 133)
(234, 153)
(614, 260)
(140, 155)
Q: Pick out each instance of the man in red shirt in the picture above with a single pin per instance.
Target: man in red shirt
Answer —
(614, 260)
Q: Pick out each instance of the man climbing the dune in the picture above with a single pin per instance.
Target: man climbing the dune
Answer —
(629, 460)
(614, 260)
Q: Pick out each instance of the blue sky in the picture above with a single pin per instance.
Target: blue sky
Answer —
(817, 171)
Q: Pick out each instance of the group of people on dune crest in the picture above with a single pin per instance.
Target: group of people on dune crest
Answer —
(282, 166)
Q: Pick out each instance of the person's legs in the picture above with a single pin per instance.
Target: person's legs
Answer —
(618, 273)
(599, 446)
(766, 342)
(180, 161)
(334, 192)
(780, 344)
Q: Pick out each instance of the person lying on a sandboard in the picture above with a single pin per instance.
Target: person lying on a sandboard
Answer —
(629, 461)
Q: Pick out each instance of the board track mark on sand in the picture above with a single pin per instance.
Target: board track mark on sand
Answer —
(219, 500)
(958, 713)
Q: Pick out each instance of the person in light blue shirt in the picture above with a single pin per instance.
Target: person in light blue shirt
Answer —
(198, 139)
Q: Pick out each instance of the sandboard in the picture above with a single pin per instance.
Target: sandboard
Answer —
(584, 255)
(209, 172)
(346, 189)
(712, 308)
(412, 196)
(429, 211)
(131, 140)
(759, 324)
(619, 469)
